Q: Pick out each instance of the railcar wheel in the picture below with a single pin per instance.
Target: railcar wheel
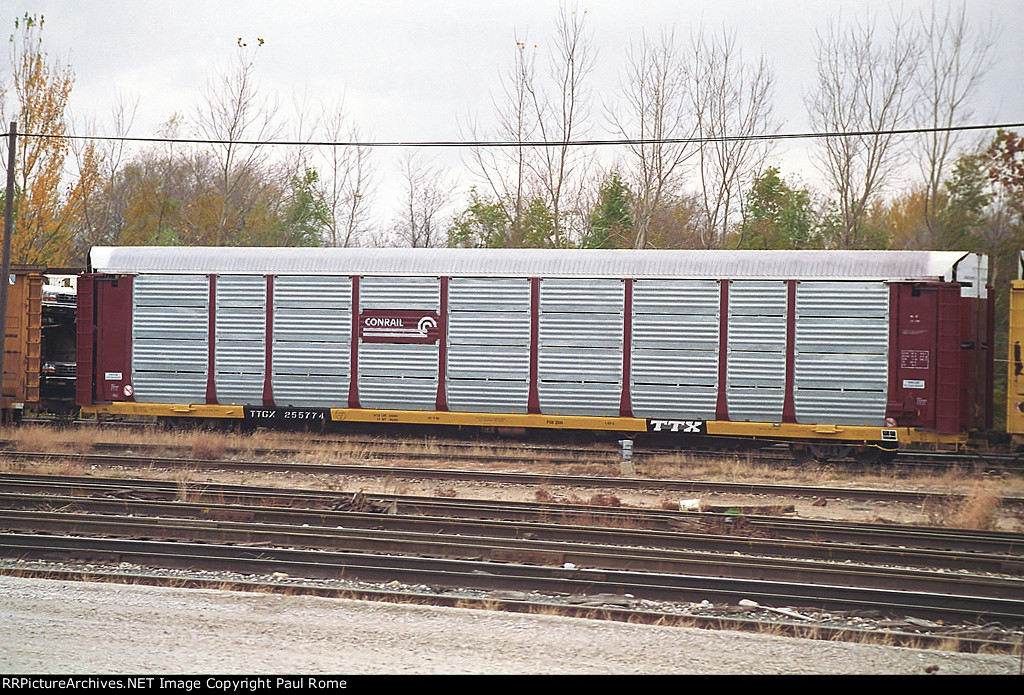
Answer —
(827, 453)
(806, 452)
(866, 455)
(801, 452)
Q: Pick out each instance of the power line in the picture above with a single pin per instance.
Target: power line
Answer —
(569, 143)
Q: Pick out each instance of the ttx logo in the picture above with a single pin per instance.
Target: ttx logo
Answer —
(681, 426)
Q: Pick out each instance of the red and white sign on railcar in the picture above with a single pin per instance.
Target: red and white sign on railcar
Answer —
(399, 326)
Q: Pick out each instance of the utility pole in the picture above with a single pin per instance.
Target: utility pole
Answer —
(5, 266)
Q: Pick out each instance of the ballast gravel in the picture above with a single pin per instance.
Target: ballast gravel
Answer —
(61, 627)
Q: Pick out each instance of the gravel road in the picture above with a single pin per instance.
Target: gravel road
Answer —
(58, 627)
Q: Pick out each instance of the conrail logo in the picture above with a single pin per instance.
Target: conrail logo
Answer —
(678, 426)
(398, 326)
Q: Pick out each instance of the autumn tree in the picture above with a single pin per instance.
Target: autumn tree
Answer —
(41, 87)
(679, 223)
(903, 217)
(159, 184)
(100, 194)
(231, 116)
(1003, 162)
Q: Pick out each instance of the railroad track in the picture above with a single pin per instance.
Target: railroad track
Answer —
(685, 487)
(721, 532)
(498, 451)
(461, 551)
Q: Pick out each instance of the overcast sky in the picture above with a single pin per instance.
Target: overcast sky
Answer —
(413, 71)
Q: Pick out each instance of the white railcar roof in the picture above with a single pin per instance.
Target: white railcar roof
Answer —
(572, 263)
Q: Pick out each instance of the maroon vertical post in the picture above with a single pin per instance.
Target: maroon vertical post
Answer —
(353, 363)
(625, 401)
(789, 398)
(211, 368)
(441, 403)
(268, 367)
(533, 402)
(722, 404)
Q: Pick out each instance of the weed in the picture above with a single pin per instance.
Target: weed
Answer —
(602, 500)
(978, 509)
(209, 446)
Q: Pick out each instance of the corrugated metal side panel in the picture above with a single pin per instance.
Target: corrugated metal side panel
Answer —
(756, 360)
(488, 345)
(170, 338)
(398, 376)
(312, 340)
(842, 352)
(400, 293)
(580, 350)
(674, 356)
(240, 348)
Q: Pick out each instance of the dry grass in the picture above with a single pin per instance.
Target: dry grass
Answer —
(38, 438)
(602, 500)
(978, 509)
(209, 446)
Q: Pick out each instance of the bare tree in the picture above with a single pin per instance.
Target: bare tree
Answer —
(863, 93)
(348, 178)
(553, 111)
(427, 194)
(506, 171)
(562, 115)
(732, 106)
(231, 115)
(101, 192)
(955, 58)
(654, 92)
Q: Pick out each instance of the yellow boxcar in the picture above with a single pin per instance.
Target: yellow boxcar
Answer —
(22, 345)
(1015, 371)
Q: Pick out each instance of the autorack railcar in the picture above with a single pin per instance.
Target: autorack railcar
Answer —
(835, 352)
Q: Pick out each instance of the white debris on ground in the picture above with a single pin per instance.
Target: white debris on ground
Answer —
(55, 627)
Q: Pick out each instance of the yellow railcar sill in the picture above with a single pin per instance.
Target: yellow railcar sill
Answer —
(769, 431)
(429, 417)
(165, 410)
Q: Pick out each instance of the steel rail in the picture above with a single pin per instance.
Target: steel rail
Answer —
(225, 501)
(535, 479)
(525, 551)
(501, 576)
